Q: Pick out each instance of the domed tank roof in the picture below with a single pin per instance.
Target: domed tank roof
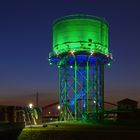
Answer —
(80, 33)
(79, 16)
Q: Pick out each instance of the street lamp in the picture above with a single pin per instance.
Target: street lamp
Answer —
(58, 107)
(32, 113)
(30, 105)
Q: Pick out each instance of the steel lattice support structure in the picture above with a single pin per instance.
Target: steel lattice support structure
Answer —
(81, 89)
(80, 50)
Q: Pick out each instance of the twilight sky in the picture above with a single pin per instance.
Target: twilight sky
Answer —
(26, 40)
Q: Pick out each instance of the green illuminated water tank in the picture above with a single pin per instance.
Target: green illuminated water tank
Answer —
(80, 33)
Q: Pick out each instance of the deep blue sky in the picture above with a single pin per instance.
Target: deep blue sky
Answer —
(26, 40)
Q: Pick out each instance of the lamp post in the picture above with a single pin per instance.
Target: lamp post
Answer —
(32, 113)
(30, 106)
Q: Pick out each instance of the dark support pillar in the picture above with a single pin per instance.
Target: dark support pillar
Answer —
(96, 89)
(102, 89)
(75, 88)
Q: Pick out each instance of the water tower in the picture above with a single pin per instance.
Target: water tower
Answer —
(80, 51)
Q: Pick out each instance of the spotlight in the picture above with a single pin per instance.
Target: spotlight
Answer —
(107, 55)
(91, 53)
(109, 64)
(58, 107)
(72, 52)
(30, 105)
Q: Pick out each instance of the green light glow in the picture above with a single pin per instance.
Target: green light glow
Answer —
(80, 34)
(87, 86)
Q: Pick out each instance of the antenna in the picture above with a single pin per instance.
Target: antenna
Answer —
(37, 99)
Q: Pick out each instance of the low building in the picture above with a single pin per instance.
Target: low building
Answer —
(127, 104)
(20, 114)
(127, 109)
(11, 114)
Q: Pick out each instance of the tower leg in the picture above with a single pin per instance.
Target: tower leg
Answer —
(75, 89)
(81, 90)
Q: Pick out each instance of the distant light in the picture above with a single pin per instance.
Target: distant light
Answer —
(109, 64)
(50, 63)
(107, 55)
(111, 56)
(84, 105)
(30, 105)
(91, 53)
(71, 67)
(94, 101)
(58, 107)
(49, 112)
(58, 66)
(72, 52)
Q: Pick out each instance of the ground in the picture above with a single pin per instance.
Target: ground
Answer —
(81, 131)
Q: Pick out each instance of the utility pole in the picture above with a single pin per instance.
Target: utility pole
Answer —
(37, 99)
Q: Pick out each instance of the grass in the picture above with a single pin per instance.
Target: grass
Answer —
(81, 131)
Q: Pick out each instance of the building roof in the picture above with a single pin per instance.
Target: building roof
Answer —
(127, 100)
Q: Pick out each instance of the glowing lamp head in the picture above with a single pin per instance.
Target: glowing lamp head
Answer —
(30, 105)
(107, 55)
(91, 53)
(72, 52)
(58, 107)
(109, 64)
